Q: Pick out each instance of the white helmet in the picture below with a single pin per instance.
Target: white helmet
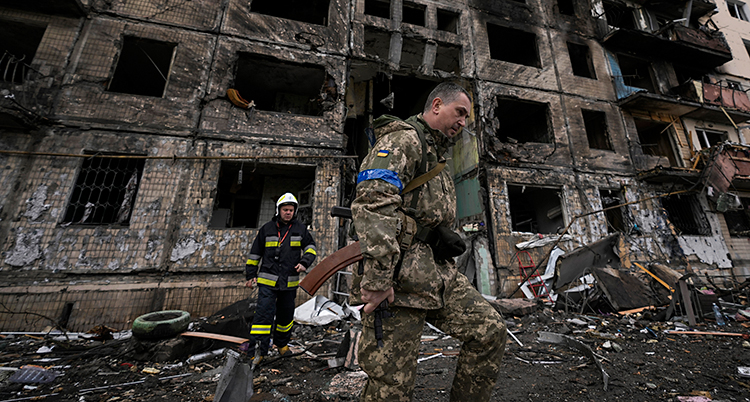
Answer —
(286, 199)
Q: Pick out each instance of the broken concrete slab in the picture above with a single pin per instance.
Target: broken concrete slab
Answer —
(516, 307)
(623, 290)
(344, 387)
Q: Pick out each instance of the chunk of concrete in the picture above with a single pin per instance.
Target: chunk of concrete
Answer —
(517, 307)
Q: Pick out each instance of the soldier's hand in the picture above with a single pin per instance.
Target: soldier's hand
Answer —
(372, 298)
(251, 283)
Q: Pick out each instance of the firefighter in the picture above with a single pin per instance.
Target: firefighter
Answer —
(282, 250)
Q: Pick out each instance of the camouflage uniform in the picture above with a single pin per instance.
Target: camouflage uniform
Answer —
(425, 289)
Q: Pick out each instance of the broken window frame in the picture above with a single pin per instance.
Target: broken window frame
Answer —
(737, 10)
(243, 201)
(598, 137)
(96, 178)
(642, 77)
(668, 131)
(717, 137)
(686, 215)
(124, 79)
(554, 216)
(581, 60)
(738, 222)
(18, 67)
(616, 218)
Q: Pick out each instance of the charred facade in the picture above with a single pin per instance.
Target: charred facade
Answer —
(134, 181)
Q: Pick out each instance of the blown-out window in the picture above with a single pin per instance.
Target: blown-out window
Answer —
(142, 67)
(535, 209)
(246, 193)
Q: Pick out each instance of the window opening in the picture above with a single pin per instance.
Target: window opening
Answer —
(654, 139)
(142, 67)
(104, 192)
(688, 73)
(378, 8)
(535, 209)
(279, 86)
(409, 95)
(566, 7)
(18, 45)
(448, 58)
(412, 53)
(522, 121)
(686, 215)
(595, 123)
(738, 222)
(308, 11)
(248, 200)
(414, 13)
(636, 72)
(580, 60)
(737, 10)
(447, 21)
(710, 138)
(513, 45)
(614, 216)
(618, 15)
(377, 43)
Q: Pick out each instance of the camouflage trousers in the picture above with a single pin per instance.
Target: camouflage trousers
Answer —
(466, 316)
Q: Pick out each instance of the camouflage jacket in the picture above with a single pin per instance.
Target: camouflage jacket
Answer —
(391, 164)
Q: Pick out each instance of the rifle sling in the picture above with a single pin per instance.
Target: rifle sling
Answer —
(423, 178)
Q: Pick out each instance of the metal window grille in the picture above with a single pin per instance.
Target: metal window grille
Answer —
(104, 191)
(685, 214)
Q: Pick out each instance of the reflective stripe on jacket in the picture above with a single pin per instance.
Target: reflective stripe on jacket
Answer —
(273, 263)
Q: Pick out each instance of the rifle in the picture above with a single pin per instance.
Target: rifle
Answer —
(338, 261)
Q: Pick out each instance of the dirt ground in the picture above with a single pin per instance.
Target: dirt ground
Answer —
(642, 364)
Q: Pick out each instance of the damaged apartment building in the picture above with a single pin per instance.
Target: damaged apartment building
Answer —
(144, 142)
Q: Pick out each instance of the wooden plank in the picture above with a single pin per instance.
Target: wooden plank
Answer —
(674, 332)
(686, 302)
(218, 337)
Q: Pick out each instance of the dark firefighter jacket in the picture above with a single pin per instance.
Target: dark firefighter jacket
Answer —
(280, 248)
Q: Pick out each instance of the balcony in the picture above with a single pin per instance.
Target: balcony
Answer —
(717, 101)
(63, 8)
(694, 99)
(675, 43)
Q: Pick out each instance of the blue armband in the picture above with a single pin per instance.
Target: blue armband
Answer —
(383, 174)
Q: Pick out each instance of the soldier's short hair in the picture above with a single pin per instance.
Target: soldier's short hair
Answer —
(447, 91)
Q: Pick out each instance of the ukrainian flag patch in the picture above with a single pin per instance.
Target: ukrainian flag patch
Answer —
(383, 153)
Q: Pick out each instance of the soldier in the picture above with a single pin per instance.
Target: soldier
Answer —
(286, 249)
(418, 277)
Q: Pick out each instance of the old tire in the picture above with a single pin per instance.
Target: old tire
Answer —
(161, 324)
